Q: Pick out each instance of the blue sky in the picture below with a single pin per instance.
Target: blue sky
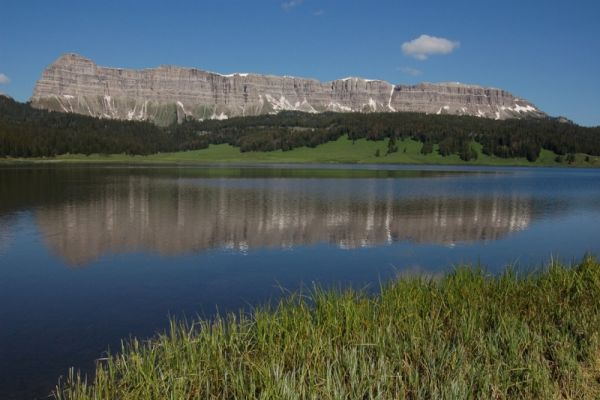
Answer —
(545, 51)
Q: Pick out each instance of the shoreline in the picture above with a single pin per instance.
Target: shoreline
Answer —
(466, 334)
(237, 163)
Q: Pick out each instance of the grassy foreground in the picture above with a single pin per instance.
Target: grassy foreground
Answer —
(467, 335)
(342, 150)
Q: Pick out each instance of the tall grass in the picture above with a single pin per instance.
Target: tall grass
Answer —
(467, 335)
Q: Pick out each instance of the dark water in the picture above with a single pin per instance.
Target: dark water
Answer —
(89, 255)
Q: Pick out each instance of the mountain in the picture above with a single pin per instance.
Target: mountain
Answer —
(165, 94)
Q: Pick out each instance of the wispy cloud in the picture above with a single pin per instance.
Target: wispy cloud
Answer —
(4, 79)
(424, 46)
(288, 5)
(410, 71)
(319, 13)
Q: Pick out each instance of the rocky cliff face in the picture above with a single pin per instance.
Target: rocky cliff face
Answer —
(165, 94)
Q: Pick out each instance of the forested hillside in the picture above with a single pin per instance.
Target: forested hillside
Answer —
(507, 139)
(28, 132)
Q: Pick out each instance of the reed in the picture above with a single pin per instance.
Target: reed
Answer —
(467, 335)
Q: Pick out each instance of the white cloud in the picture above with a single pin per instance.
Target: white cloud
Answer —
(4, 79)
(318, 13)
(424, 46)
(410, 71)
(288, 5)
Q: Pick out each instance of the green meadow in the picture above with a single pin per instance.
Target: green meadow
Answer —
(342, 150)
(464, 335)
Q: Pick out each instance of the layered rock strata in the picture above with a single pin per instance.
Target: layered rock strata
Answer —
(165, 94)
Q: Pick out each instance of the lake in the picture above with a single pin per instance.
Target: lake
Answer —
(91, 254)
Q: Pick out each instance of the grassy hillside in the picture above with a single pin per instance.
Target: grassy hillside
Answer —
(342, 150)
(31, 133)
(464, 336)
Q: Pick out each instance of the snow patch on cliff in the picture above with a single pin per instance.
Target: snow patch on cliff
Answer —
(61, 104)
(355, 78)
(143, 111)
(279, 104)
(390, 100)
(306, 105)
(445, 108)
(528, 108)
(219, 117)
(112, 112)
(338, 107)
(180, 104)
(372, 104)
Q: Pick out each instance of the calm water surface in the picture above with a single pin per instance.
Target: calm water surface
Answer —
(92, 254)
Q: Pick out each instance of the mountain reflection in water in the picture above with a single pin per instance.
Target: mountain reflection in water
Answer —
(174, 216)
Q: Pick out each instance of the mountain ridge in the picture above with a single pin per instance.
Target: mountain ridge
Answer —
(168, 93)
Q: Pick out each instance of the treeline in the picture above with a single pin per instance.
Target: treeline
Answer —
(453, 134)
(28, 132)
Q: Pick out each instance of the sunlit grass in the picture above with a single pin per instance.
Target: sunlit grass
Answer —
(467, 335)
(342, 150)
